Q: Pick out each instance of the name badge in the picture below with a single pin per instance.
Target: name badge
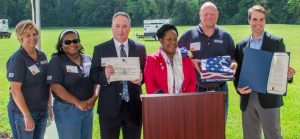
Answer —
(218, 41)
(72, 69)
(196, 46)
(34, 69)
(49, 77)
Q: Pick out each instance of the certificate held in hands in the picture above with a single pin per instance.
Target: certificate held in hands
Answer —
(126, 68)
(264, 72)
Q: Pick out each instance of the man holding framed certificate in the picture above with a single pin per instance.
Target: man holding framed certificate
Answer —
(260, 111)
(117, 65)
(125, 68)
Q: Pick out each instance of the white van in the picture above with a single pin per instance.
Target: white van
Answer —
(151, 27)
(4, 30)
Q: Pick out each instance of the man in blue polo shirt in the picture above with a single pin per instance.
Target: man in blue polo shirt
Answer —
(209, 40)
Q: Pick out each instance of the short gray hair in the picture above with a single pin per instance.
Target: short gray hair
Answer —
(208, 4)
(121, 14)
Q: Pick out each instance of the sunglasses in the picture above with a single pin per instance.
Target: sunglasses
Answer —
(68, 42)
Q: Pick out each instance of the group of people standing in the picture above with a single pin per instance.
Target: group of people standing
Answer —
(77, 80)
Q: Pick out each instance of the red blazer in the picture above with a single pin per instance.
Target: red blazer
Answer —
(156, 74)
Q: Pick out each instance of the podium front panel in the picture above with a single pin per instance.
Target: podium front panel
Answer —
(184, 116)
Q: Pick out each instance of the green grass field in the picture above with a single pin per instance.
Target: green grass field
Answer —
(290, 114)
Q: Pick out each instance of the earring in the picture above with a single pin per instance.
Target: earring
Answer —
(61, 49)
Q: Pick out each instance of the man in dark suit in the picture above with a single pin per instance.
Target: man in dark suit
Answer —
(119, 104)
(259, 110)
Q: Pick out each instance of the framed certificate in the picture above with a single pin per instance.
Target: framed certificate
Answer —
(126, 68)
(264, 72)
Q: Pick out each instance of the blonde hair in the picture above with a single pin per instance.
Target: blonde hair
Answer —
(23, 27)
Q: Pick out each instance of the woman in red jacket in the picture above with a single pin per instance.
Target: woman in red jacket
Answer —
(169, 70)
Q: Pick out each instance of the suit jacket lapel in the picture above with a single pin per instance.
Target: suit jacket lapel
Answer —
(159, 55)
(248, 43)
(131, 48)
(264, 43)
(163, 68)
(112, 48)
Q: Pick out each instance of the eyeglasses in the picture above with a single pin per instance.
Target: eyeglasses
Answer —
(68, 42)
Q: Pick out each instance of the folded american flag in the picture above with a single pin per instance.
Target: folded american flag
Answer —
(216, 69)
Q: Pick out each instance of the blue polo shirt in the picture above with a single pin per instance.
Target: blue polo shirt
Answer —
(75, 79)
(202, 46)
(32, 74)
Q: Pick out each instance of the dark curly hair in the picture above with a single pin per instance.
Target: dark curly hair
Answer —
(60, 41)
(163, 29)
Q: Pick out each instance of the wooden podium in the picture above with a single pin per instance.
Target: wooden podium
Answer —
(184, 116)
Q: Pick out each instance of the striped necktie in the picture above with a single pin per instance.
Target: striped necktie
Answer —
(125, 93)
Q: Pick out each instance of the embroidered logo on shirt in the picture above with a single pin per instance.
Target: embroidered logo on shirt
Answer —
(49, 77)
(11, 75)
(34, 69)
(196, 46)
(218, 41)
(44, 62)
(72, 69)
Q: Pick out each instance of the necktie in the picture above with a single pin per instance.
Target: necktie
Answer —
(125, 94)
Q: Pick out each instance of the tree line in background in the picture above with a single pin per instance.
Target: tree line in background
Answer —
(59, 13)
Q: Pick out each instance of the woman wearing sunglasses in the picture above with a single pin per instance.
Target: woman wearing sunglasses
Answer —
(68, 76)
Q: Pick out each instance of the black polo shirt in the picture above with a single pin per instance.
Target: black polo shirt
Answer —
(202, 46)
(75, 79)
(32, 74)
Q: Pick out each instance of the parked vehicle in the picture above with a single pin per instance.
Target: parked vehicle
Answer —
(4, 29)
(151, 27)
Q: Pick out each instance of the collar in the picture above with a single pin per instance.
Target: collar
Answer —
(199, 27)
(117, 43)
(259, 38)
(23, 51)
(66, 58)
(158, 53)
